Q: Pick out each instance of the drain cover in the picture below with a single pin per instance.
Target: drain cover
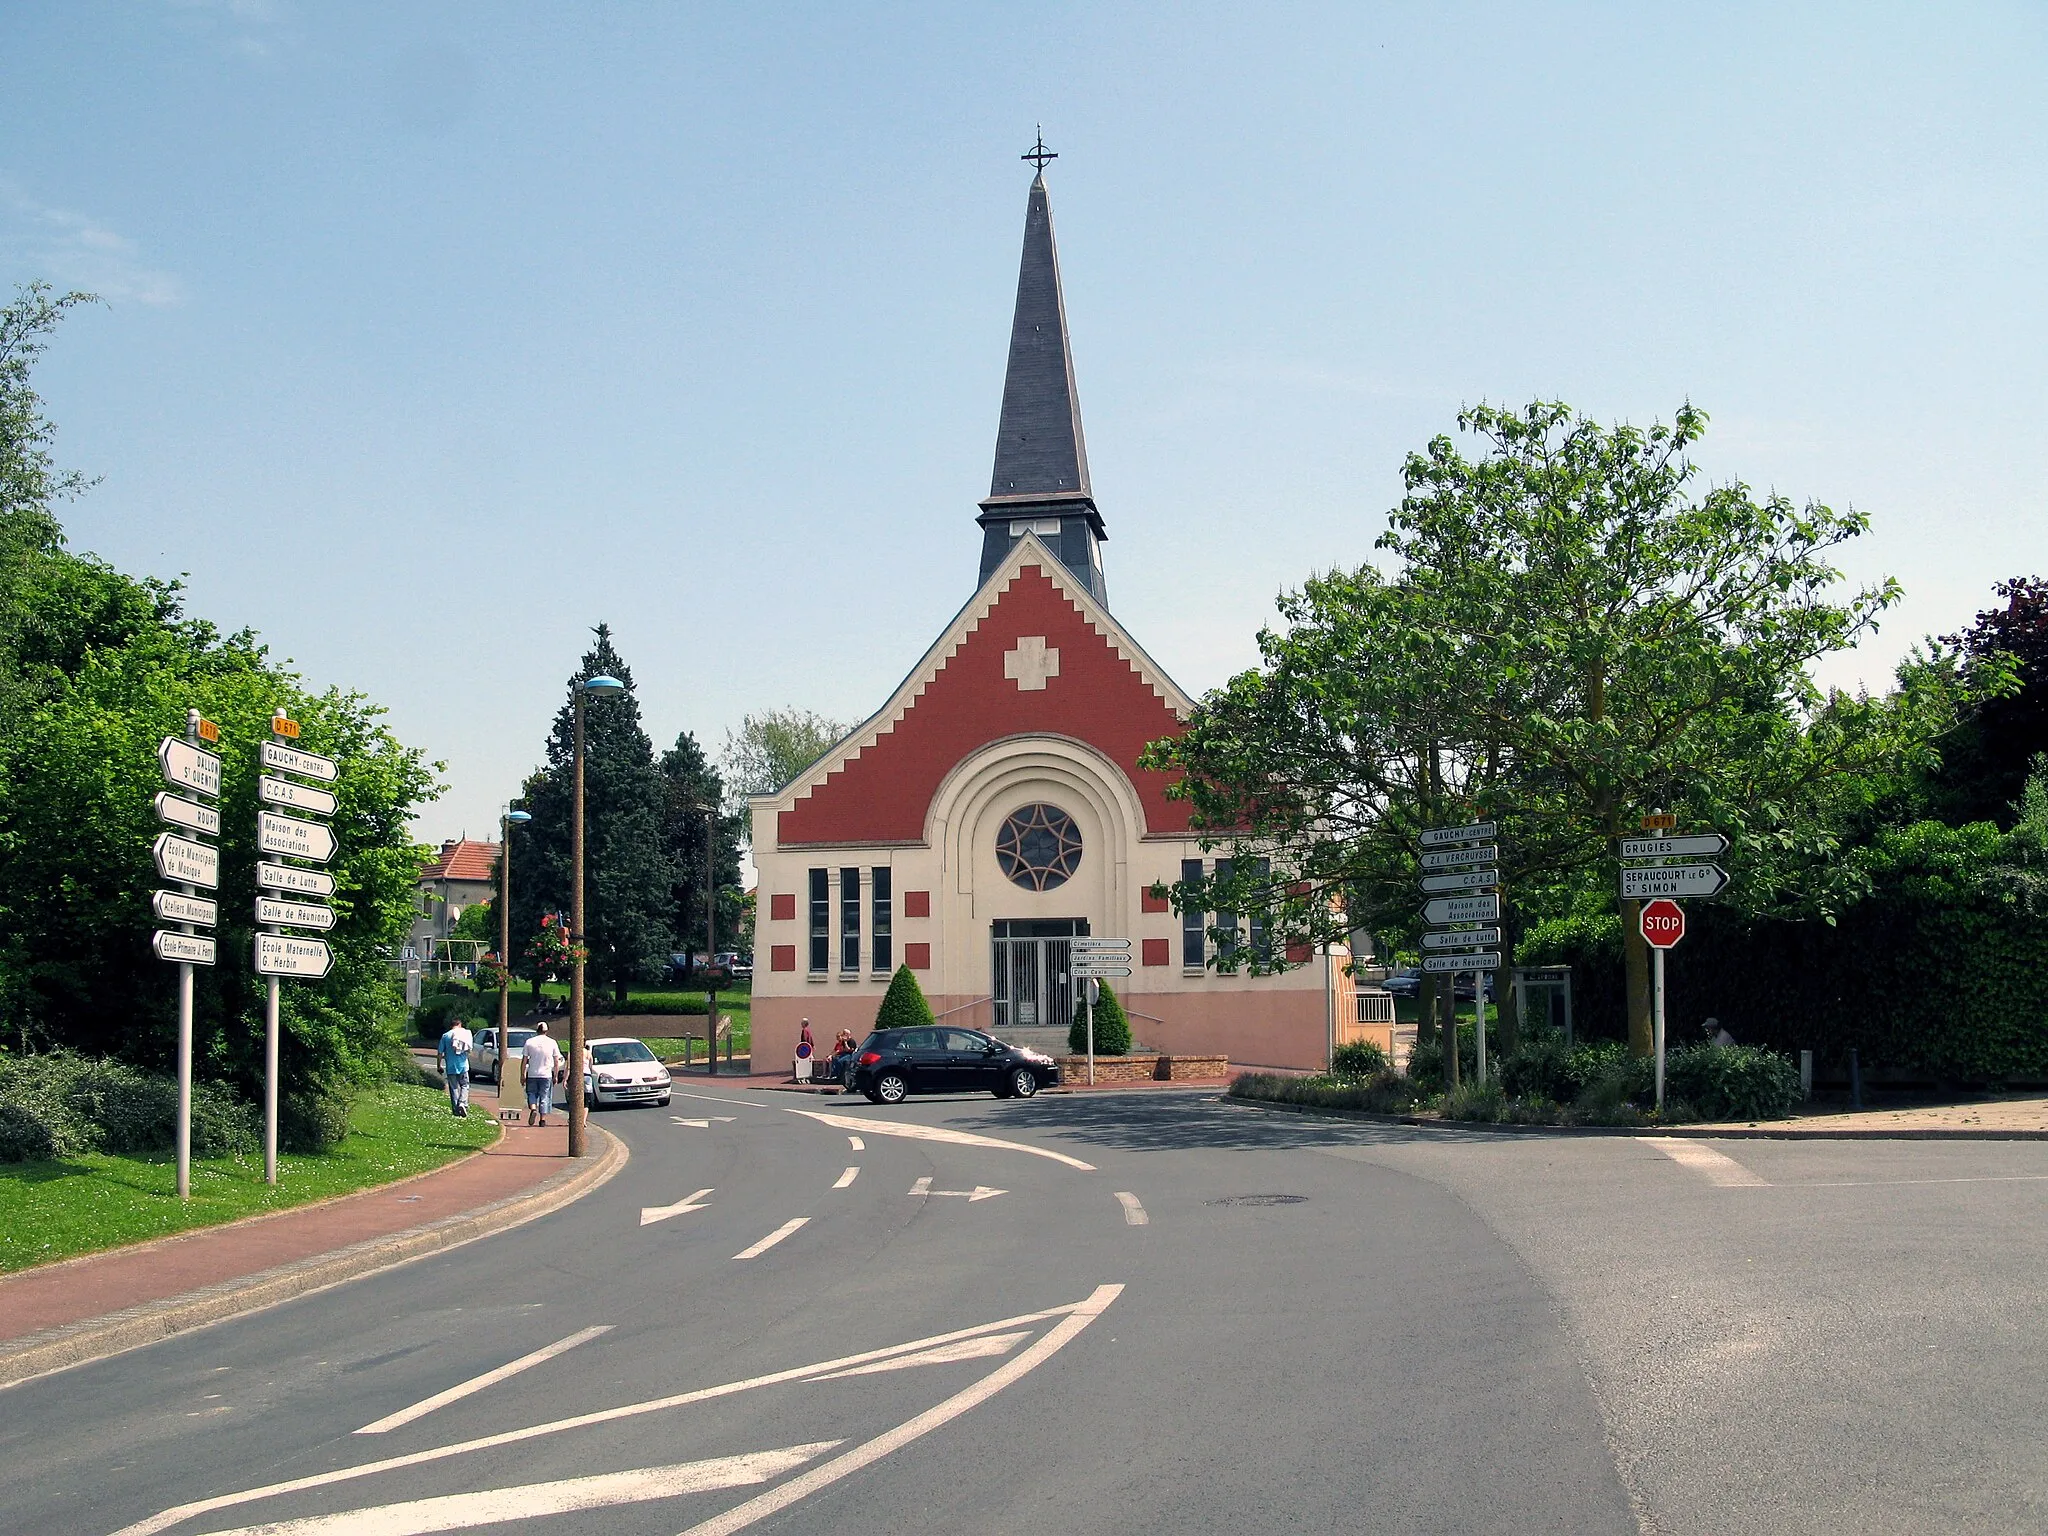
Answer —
(1259, 1200)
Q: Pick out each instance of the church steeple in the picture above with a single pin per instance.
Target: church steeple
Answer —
(1041, 475)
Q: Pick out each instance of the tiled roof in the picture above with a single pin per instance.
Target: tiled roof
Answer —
(461, 858)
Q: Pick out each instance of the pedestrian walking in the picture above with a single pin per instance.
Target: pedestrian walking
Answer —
(541, 1060)
(455, 1046)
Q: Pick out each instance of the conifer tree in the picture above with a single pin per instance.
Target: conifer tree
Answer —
(1112, 1029)
(903, 1005)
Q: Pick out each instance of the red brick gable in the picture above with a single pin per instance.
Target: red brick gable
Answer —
(882, 794)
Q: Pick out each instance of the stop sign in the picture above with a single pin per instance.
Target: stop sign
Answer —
(1663, 923)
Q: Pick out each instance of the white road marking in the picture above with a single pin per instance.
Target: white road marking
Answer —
(937, 1133)
(649, 1214)
(923, 1186)
(702, 1125)
(1981, 1178)
(857, 1144)
(804, 1484)
(478, 1383)
(489, 1506)
(847, 1178)
(1134, 1213)
(945, 1354)
(771, 1239)
(169, 1517)
(1718, 1167)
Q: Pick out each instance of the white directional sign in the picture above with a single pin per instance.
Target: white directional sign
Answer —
(170, 907)
(1462, 909)
(1458, 858)
(293, 838)
(1485, 960)
(293, 914)
(191, 948)
(279, 954)
(300, 882)
(187, 767)
(1462, 938)
(1704, 845)
(180, 812)
(1084, 944)
(300, 797)
(1466, 880)
(1672, 880)
(307, 765)
(1474, 832)
(1083, 969)
(189, 863)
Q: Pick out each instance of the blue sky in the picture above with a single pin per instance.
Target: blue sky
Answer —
(437, 334)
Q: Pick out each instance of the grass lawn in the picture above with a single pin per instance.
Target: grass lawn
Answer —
(82, 1204)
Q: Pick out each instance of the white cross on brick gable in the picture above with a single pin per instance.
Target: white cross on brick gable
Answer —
(1030, 664)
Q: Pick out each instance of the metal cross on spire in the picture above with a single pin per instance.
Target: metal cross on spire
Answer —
(1038, 154)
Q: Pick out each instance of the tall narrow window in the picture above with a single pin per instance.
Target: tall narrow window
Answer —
(884, 954)
(1227, 946)
(849, 920)
(1193, 925)
(821, 920)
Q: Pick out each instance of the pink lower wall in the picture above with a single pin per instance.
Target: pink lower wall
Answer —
(1265, 1027)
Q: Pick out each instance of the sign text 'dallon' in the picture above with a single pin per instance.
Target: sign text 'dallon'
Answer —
(187, 767)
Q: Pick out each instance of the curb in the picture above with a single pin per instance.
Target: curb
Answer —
(81, 1343)
(1758, 1132)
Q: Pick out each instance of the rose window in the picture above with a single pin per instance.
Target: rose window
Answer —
(1039, 847)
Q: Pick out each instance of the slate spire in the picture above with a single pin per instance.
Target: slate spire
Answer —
(1040, 483)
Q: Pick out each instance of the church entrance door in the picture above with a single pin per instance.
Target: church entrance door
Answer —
(1030, 977)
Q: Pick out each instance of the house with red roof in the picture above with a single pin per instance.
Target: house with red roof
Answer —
(462, 874)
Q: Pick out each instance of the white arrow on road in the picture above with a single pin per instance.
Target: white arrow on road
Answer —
(980, 1191)
(649, 1214)
(702, 1125)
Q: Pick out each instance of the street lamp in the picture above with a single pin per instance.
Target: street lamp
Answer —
(589, 685)
(506, 822)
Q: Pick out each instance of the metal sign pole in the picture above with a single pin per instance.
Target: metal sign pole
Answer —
(1657, 994)
(270, 1031)
(1479, 1015)
(1088, 1003)
(185, 1025)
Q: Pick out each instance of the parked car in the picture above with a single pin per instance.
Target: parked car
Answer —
(1404, 982)
(483, 1054)
(741, 968)
(622, 1070)
(893, 1063)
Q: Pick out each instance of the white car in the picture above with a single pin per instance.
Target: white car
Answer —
(623, 1071)
(483, 1051)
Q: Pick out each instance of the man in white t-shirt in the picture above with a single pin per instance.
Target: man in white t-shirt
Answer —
(542, 1059)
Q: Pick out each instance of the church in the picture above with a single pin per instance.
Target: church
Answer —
(993, 808)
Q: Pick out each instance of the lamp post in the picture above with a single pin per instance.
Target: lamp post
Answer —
(589, 685)
(507, 822)
(710, 945)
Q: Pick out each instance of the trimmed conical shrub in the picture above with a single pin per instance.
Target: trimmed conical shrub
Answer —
(1112, 1029)
(903, 1005)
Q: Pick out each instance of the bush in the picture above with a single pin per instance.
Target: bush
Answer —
(1112, 1029)
(1426, 1061)
(82, 1105)
(1387, 1094)
(313, 1122)
(1358, 1060)
(1735, 1082)
(1539, 1068)
(24, 1136)
(1472, 1102)
(903, 1005)
(1618, 1089)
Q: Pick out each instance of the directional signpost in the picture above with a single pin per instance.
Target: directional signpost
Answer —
(194, 776)
(1461, 859)
(280, 953)
(1091, 959)
(1661, 920)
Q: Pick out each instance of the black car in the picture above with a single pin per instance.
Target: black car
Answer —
(893, 1063)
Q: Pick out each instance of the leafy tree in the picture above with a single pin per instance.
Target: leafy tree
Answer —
(773, 747)
(1984, 763)
(478, 922)
(1576, 632)
(1112, 1028)
(691, 787)
(628, 876)
(903, 1005)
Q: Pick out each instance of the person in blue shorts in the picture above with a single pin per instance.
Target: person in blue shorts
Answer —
(542, 1060)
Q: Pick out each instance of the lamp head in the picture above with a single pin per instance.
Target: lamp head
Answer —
(602, 685)
(517, 816)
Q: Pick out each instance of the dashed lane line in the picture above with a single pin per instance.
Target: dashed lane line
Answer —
(857, 1144)
(772, 1238)
(477, 1383)
(489, 1506)
(1717, 1167)
(847, 1178)
(1134, 1212)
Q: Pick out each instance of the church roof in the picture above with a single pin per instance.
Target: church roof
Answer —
(1040, 453)
(1031, 654)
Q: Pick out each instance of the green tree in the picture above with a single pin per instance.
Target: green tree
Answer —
(1112, 1028)
(1575, 632)
(903, 1005)
(691, 788)
(773, 747)
(628, 876)
(1984, 762)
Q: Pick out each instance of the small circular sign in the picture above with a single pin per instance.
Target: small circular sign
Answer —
(1663, 923)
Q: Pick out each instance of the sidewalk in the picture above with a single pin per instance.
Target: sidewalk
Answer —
(1983, 1117)
(84, 1308)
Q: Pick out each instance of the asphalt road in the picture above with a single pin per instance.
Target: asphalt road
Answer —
(1226, 1320)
